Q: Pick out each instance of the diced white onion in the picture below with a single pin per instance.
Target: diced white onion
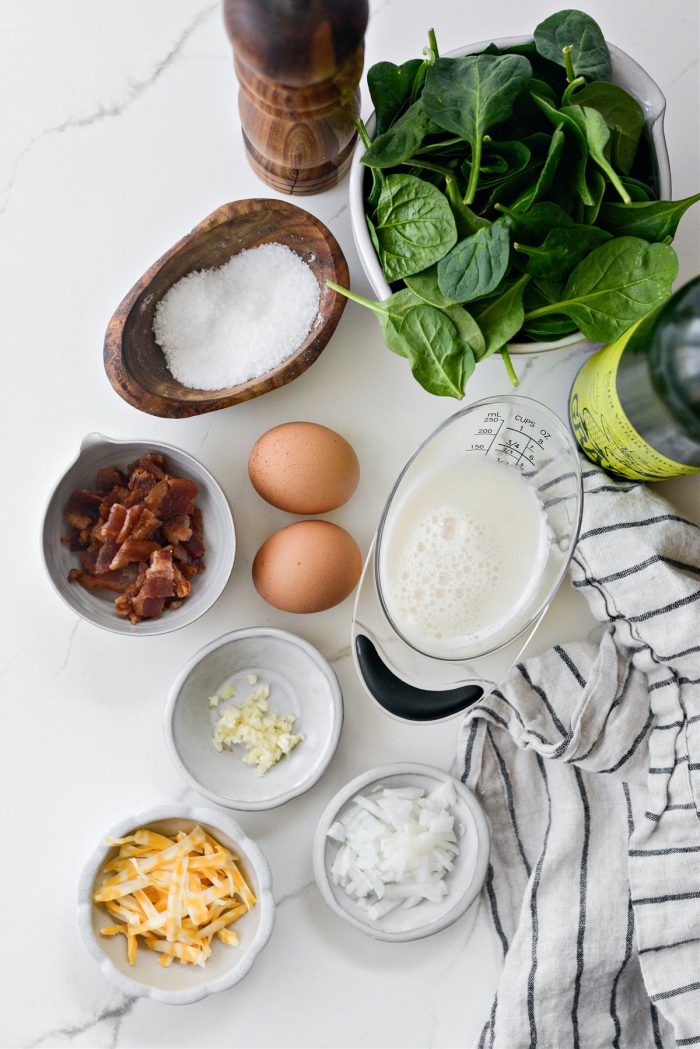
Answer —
(397, 846)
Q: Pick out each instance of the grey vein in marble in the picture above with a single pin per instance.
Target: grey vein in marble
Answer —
(114, 1013)
(104, 112)
(69, 649)
(341, 654)
(294, 894)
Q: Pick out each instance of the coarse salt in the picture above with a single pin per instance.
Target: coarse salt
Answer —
(221, 327)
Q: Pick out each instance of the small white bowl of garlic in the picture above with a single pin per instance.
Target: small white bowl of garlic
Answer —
(401, 851)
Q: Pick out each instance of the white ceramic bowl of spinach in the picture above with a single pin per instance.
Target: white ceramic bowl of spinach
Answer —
(626, 73)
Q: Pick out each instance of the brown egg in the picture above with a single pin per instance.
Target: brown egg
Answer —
(303, 468)
(307, 567)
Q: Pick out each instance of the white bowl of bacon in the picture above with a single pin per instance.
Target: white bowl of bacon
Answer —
(128, 531)
(175, 904)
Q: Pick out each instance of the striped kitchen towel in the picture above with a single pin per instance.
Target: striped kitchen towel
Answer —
(587, 762)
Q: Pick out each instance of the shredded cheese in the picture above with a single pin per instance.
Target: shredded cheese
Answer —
(176, 893)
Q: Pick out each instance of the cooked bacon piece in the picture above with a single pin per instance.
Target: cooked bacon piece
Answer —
(107, 553)
(139, 535)
(131, 518)
(133, 550)
(177, 529)
(108, 478)
(183, 587)
(172, 497)
(82, 508)
(118, 582)
(114, 523)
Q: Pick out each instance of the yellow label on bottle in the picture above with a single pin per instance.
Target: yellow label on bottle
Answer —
(603, 430)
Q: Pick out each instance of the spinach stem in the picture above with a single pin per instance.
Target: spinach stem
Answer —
(525, 249)
(542, 311)
(509, 366)
(568, 63)
(435, 146)
(474, 172)
(362, 132)
(575, 84)
(446, 172)
(373, 306)
(432, 40)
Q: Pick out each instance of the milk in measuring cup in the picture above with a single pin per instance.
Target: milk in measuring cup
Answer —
(462, 557)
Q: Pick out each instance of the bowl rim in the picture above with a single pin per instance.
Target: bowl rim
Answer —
(126, 385)
(337, 716)
(197, 814)
(147, 627)
(654, 117)
(364, 780)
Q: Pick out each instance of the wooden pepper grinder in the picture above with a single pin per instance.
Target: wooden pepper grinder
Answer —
(298, 63)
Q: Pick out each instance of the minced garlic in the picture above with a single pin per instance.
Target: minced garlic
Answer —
(267, 736)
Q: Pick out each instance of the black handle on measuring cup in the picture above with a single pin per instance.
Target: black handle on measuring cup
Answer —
(404, 700)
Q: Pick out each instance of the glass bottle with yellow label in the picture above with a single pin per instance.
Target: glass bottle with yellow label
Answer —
(635, 405)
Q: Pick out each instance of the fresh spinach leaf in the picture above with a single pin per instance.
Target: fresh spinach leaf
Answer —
(389, 312)
(376, 173)
(425, 286)
(597, 186)
(597, 134)
(580, 145)
(561, 250)
(614, 286)
(372, 234)
(477, 264)
(466, 220)
(639, 191)
(532, 226)
(653, 220)
(439, 360)
(499, 162)
(572, 39)
(623, 115)
(467, 329)
(548, 328)
(501, 317)
(401, 140)
(390, 89)
(414, 226)
(469, 95)
(546, 175)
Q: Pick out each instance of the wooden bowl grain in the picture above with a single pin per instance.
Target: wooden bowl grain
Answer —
(134, 362)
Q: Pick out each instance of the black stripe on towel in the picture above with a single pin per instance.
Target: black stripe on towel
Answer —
(628, 953)
(658, 1044)
(533, 913)
(566, 658)
(505, 776)
(556, 480)
(468, 751)
(672, 850)
(625, 572)
(633, 746)
(674, 992)
(635, 524)
(668, 946)
(583, 887)
(671, 897)
(643, 617)
(695, 1040)
(493, 904)
(543, 696)
(538, 735)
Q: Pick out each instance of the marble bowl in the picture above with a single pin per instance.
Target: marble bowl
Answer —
(97, 607)
(301, 683)
(464, 881)
(178, 984)
(626, 72)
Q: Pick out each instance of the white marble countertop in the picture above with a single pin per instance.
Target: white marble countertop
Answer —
(121, 134)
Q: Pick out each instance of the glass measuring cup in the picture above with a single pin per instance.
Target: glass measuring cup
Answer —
(413, 677)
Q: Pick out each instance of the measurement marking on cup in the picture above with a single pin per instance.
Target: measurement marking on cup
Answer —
(480, 447)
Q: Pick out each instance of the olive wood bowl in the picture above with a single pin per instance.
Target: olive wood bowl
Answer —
(134, 362)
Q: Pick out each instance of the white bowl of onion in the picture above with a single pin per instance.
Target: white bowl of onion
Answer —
(401, 851)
